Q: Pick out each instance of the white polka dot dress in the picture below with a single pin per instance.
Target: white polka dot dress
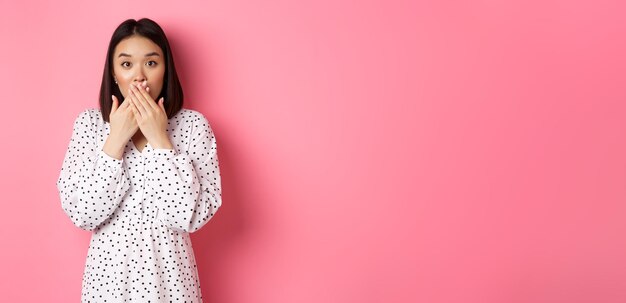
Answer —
(141, 209)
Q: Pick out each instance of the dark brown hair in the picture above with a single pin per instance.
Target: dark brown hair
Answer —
(172, 92)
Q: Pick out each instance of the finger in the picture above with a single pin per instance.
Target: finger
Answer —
(137, 90)
(115, 104)
(140, 107)
(142, 101)
(128, 103)
(128, 100)
(161, 104)
(148, 90)
(133, 108)
(124, 106)
(147, 98)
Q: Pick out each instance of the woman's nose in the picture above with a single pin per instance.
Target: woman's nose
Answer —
(139, 79)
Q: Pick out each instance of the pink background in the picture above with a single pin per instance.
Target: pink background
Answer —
(371, 151)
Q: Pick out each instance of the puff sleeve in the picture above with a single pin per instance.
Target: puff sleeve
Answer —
(91, 184)
(187, 185)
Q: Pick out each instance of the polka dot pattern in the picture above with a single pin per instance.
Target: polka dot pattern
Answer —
(141, 209)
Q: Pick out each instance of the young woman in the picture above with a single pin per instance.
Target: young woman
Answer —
(141, 174)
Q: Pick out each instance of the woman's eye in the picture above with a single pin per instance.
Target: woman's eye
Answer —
(125, 63)
(152, 62)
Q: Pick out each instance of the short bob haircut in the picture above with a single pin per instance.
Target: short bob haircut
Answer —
(172, 91)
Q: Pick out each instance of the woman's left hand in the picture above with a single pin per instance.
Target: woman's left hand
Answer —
(151, 118)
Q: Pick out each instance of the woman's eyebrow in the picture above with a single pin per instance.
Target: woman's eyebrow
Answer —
(147, 55)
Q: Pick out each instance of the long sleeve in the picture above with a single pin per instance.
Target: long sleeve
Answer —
(91, 184)
(187, 185)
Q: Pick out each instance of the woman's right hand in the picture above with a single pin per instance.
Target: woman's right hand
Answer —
(122, 120)
(123, 126)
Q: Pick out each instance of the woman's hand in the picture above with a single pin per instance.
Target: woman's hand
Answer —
(122, 120)
(151, 118)
(123, 126)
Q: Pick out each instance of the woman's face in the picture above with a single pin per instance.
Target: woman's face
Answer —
(137, 59)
